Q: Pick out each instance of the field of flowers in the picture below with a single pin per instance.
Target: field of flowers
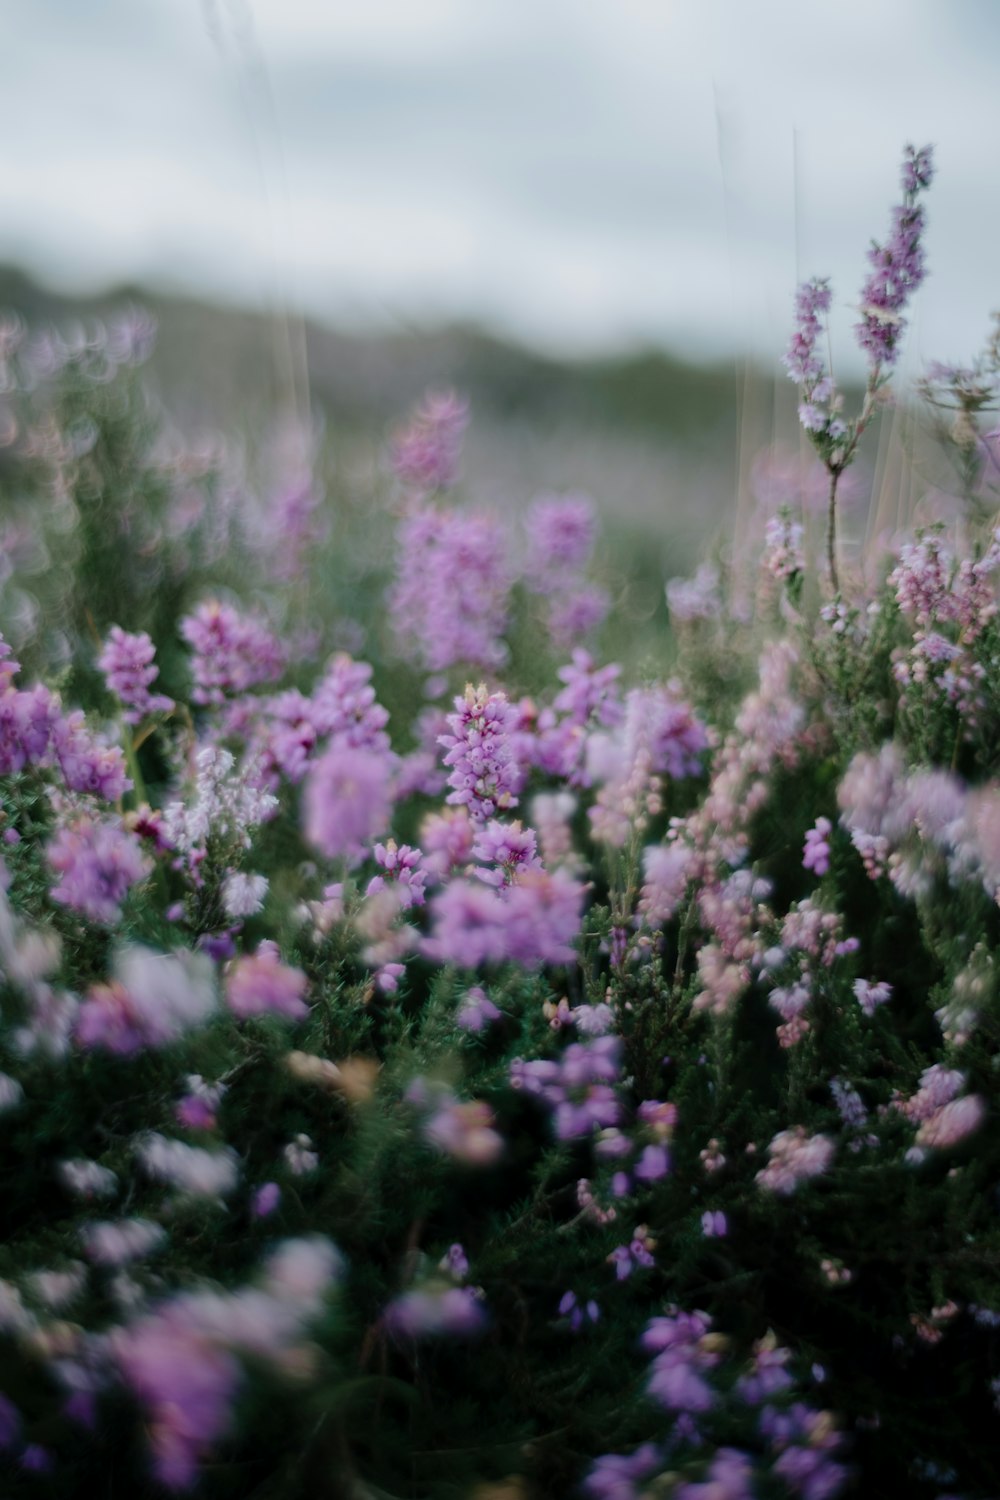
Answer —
(439, 1060)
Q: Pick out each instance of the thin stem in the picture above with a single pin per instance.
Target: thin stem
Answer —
(132, 761)
(831, 530)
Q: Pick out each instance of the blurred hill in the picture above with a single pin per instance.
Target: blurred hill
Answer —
(659, 442)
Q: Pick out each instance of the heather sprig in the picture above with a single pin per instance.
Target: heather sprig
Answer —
(897, 271)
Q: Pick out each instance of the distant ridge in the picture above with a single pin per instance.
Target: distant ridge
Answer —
(216, 356)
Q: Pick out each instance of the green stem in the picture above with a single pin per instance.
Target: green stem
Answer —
(132, 761)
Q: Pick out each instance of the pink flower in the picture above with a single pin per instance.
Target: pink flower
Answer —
(952, 1123)
(795, 1156)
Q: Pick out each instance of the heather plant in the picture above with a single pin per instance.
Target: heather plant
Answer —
(440, 1059)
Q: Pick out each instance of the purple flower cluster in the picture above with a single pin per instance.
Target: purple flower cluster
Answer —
(578, 1087)
(463, 1130)
(659, 736)
(232, 652)
(476, 1011)
(806, 1443)
(684, 1351)
(783, 555)
(561, 532)
(897, 266)
(816, 853)
(637, 1254)
(617, 1476)
(425, 453)
(151, 1000)
(402, 868)
(578, 1314)
(648, 1145)
(804, 363)
(35, 732)
(795, 1157)
(507, 849)
(531, 923)
(666, 870)
(448, 604)
(437, 1311)
(590, 699)
(344, 706)
(484, 776)
(129, 671)
(180, 1360)
(261, 985)
(98, 863)
(695, 599)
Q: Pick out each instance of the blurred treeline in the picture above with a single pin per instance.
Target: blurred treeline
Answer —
(652, 437)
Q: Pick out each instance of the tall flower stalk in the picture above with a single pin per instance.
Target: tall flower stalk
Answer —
(897, 269)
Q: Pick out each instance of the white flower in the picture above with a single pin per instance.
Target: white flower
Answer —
(243, 895)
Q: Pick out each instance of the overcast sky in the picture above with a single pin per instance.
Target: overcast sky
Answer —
(583, 174)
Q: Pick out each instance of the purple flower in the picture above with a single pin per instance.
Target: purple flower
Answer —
(455, 1262)
(578, 1088)
(714, 1224)
(476, 1011)
(666, 869)
(590, 695)
(265, 1200)
(767, 1376)
(187, 1386)
(579, 1315)
(464, 1130)
(561, 532)
(728, 1477)
(812, 303)
(575, 613)
(637, 1253)
(653, 1164)
(683, 1353)
(10, 1423)
(435, 1312)
(344, 708)
(795, 1157)
(617, 1476)
(35, 1459)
